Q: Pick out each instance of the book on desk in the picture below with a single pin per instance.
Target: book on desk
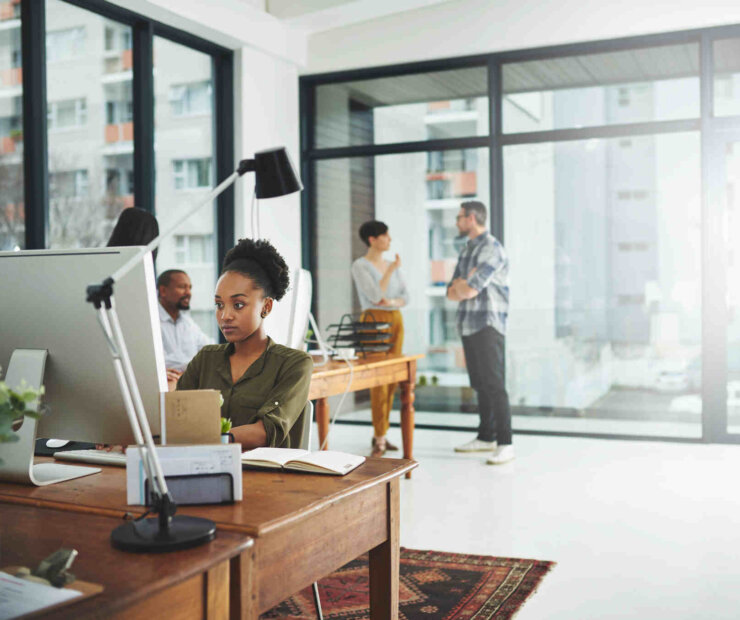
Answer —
(322, 462)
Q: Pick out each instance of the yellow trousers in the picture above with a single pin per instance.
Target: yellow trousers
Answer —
(381, 397)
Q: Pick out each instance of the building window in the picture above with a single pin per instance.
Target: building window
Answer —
(637, 246)
(191, 99)
(65, 44)
(119, 182)
(69, 184)
(624, 97)
(630, 300)
(117, 39)
(119, 112)
(193, 249)
(67, 114)
(192, 173)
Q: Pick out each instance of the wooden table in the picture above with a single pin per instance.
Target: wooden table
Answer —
(304, 527)
(184, 584)
(368, 372)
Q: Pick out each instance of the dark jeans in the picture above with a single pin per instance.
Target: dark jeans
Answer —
(484, 357)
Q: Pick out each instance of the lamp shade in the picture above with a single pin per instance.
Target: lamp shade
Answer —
(275, 175)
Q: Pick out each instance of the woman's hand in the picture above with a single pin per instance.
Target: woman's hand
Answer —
(172, 377)
(396, 264)
(108, 447)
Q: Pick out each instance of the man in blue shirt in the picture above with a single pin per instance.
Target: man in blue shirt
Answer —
(481, 285)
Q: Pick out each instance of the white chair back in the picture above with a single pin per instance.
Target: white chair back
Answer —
(307, 426)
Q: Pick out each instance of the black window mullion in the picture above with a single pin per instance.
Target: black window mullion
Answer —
(307, 97)
(223, 72)
(143, 95)
(496, 175)
(35, 152)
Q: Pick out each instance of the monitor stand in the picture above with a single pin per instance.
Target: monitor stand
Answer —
(27, 365)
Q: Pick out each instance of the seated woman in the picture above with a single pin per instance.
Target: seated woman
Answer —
(264, 384)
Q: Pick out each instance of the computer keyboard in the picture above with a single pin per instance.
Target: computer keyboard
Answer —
(97, 457)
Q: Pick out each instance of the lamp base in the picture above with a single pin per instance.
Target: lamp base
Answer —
(146, 536)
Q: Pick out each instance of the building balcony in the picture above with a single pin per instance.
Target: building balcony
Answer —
(10, 10)
(14, 212)
(118, 61)
(119, 132)
(10, 145)
(11, 77)
(452, 184)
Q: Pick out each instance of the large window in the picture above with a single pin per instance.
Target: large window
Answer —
(416, 192)
(84, 142)
(605, 317)
(183, 115)
(12, 209)
(111, 77)
(614, 190)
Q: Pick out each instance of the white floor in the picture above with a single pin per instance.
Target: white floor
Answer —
(638, 529)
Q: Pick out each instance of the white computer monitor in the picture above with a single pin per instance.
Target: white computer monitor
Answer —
(300, 308)
(43, 306)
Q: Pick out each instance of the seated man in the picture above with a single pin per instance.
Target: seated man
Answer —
(181, 337)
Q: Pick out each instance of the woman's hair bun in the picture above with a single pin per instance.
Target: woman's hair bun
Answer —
(262, 263)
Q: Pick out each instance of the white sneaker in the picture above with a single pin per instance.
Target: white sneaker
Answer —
(476, 445)
(503, 454)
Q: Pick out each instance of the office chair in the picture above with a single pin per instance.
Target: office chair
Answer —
(306, 445)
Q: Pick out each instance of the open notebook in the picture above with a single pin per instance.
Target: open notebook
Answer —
(323, 462)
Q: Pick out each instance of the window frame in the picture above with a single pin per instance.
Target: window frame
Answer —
(143, 31)
(712, 131)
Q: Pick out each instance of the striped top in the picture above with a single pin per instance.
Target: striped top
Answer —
(490, 307)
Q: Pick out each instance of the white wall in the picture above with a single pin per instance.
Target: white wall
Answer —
(266, 109)
(479, 26)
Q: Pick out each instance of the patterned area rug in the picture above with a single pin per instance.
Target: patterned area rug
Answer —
(434, 586)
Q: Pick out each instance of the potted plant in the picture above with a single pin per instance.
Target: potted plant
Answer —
(14, 405)
(226, 435)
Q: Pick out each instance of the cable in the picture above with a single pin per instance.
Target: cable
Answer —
(251, 213)
(257, 218)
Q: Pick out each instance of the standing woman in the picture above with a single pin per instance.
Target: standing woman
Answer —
(264, 384)
(382, 292)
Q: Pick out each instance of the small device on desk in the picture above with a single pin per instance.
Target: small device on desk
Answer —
(205, 474)
(47, 447)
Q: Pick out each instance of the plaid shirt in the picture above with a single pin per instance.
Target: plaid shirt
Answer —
(491, 279)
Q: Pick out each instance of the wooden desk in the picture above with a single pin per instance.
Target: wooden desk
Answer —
(185, 584)
(305, 526)
(368, 372)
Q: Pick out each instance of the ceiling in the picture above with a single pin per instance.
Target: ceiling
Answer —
(319, 15)
(609, 68)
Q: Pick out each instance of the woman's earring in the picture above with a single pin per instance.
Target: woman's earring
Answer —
(263, 314)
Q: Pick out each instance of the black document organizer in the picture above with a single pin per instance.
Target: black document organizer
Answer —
(364, 336)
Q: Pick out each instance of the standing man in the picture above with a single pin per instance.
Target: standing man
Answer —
(481, 285)
(181, 337)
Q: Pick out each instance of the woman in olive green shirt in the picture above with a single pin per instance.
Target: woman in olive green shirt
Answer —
(264, 384)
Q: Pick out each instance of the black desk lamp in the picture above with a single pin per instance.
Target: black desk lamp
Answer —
(275, 176)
